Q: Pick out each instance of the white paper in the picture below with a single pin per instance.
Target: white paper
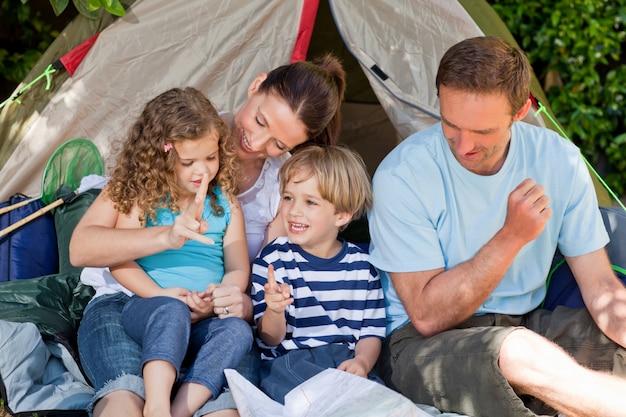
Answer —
(331, 393)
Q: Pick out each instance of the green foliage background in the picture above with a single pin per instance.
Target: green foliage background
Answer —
(30, 27)
(28, 34)
(577, 50)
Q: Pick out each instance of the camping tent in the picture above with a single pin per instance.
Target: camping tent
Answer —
(390, 48)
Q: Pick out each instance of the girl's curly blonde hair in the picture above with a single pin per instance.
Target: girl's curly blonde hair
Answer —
(145, 171)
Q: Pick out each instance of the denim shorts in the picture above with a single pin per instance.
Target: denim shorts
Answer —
(281, 375)
(113, 361)
(457, 370)
(162, 326)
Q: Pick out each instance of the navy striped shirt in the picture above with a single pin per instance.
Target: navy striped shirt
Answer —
(337, 300)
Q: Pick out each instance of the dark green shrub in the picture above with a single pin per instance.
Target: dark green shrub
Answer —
(30, 27)
(577, 49)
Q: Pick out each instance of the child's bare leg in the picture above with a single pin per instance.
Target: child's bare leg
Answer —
(223, 413)
(158, 377)
(119, 403)
(189, 398)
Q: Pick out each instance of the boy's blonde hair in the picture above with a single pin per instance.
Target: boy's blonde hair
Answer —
(340, 172)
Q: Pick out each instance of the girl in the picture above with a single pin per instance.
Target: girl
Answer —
(175, 151)
(286, 107)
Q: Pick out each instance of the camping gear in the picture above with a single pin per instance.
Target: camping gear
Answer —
(391, 53)
(40, 373)
(71, 161)
(32, 251)
(70, 165)
(562, 288)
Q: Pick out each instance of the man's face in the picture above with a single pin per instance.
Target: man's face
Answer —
(477, 128)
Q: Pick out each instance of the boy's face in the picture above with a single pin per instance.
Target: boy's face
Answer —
(311, 221)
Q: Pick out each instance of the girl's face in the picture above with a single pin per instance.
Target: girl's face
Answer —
(265, 126)
(310, 221)
(196, 157)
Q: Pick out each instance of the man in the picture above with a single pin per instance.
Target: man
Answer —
(467, 216)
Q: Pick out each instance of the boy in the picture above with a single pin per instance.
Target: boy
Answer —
(317, 300)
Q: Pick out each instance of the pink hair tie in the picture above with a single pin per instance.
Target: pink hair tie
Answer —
(167, 147)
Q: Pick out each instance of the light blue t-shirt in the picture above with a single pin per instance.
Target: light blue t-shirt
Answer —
(430, 212)
(195, 265)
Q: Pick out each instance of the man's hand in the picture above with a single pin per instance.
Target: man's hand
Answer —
(527, 211)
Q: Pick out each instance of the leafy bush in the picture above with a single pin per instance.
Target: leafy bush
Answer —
(30, 35)
(576, 48)
(89, 8)
(29, 28)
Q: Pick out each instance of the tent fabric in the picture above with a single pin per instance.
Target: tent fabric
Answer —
(72, 59)
(219, 47)
(215, 46)
(16, 119)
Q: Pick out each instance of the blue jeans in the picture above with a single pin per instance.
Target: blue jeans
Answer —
(112, 360)
(281, 375)
(162, 326)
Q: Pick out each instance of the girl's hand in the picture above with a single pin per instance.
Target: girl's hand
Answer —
(354, 366)
(228, 300)
(175, 292)
(277, 296)
(190, 225)
(200, 304)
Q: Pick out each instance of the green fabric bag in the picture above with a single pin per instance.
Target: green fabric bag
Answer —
(55, 303)
(66, 217)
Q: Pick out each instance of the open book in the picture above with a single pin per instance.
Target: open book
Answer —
(331, 393)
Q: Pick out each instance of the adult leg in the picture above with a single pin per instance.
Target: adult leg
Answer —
(161, 325)
(455, 371)
(110, 358)
(538, 367)
(215, 344)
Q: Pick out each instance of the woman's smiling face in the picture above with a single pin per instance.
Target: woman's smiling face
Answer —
(266, 127)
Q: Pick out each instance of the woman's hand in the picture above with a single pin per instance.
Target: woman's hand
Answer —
(229, 301)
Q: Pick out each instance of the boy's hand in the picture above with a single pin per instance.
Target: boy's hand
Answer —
(353, 366)
(277, 296)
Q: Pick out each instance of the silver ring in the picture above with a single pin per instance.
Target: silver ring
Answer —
(225, 312)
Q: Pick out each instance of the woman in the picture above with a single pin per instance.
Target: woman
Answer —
(287, 107)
